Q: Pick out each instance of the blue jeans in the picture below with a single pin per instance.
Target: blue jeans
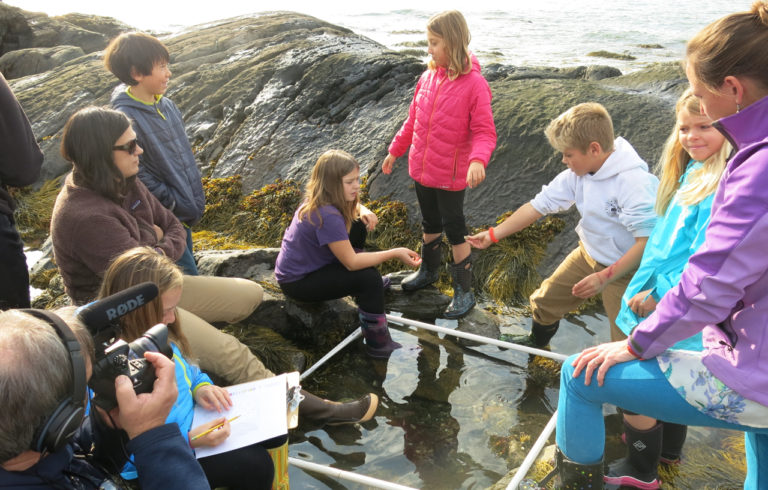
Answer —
(641, 387)
(187, 260)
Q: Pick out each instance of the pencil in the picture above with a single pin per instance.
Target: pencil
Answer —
(215, 427)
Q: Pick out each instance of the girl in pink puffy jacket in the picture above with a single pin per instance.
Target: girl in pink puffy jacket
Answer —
(450, 136)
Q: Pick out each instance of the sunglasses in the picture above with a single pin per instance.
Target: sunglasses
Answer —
(130, 147)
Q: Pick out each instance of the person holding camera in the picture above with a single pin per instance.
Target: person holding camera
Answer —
(45, 442)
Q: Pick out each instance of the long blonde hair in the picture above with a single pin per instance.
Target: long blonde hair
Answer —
(452, 28)
(135, 266)
(325, 187)
(674, 161)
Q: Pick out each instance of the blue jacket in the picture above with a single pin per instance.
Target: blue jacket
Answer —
(168, 167)
(188, 379)
(164, 460)
(676, 236)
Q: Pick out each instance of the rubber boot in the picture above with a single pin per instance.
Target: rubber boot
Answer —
(378, 342)
(334, 413)
(428, 270)
(640, 468)
(575, 476)
(463, 297)
(672, 443)
(539, 337)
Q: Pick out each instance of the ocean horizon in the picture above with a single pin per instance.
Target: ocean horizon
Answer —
(556, 33)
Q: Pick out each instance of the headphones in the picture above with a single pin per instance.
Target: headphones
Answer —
(62, 423)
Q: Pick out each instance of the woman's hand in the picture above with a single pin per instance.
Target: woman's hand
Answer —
(480, 240)
(643, 303)
(407, 256)
(369, 219)
(213, 438)
(158, 232)
(475, 174)
(212, 397)
(601, 357)
(388, 164)
(589, 286)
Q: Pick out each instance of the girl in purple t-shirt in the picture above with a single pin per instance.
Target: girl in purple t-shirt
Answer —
(321, 256)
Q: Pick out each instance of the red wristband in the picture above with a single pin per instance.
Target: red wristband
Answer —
(492, 235)
(632, 351)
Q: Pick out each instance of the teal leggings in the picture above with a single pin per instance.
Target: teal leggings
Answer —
(641, 387)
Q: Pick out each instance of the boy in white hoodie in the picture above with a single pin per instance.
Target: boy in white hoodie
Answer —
(614, 193)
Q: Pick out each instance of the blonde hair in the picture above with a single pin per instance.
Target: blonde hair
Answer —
(325, 187)
(674, 161)
(135, 266)
(734, 45)
(452, 28)
(579, 126)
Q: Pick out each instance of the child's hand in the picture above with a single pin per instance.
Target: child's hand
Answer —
(214, 437)
(388, 164)
(212, 397)
(408, 256)
(480, 240)
(475, 174)
(369, 219)
(589, 286)
(642, 304)
(158, 232)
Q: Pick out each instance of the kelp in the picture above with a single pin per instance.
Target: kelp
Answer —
(34, 209)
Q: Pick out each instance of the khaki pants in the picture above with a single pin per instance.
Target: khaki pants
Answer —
(553, 299)
(207, 299)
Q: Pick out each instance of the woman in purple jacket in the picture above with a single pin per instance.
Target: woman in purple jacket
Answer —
(722, 291)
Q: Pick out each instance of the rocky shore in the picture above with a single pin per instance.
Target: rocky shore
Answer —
(263, 96)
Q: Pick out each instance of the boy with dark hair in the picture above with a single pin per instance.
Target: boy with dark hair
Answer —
(614, 192)
(168, 166)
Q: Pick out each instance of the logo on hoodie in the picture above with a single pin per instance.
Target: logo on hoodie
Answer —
(612, 208)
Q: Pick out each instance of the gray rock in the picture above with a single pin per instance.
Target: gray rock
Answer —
(30, 61)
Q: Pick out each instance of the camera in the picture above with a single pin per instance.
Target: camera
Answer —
(114, 356)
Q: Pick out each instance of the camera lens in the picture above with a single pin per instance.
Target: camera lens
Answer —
(154, 340)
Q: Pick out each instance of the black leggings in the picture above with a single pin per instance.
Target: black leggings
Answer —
(442, 210)
(334, 281)
(249, 467)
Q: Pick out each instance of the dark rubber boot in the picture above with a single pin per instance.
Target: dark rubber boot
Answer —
(578, 476)
(539, 337)
(570, 475)
(429, 270)
(463, 297)
(335, 413)
(378, 342)
(640, 468)
(672, 443)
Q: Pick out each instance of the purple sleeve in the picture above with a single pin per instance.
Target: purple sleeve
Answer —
(333, 228)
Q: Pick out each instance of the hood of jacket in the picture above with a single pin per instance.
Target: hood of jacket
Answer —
(623, 158)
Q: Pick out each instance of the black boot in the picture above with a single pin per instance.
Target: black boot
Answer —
(378, 342)
(672, 443)
(429, 270)
(575, 476)
(640, 468)
(335, 413)
(570, 475)
(539, 337)
(463, 297)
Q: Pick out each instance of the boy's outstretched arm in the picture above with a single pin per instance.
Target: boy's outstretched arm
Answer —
(594, 283)
(520, 219)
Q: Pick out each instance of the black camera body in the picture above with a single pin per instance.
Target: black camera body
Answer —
(128, 359)
(115, 357)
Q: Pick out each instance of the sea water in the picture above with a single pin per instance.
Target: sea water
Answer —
(557, 33)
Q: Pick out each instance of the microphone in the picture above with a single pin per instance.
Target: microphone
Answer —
(105, 312)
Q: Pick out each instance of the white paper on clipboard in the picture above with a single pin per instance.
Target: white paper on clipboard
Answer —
(261, 410)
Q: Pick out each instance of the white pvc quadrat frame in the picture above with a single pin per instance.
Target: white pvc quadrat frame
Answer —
(376, 483)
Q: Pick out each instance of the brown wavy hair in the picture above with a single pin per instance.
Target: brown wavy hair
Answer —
(325, 187)
(452, 27)
(135, 266)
